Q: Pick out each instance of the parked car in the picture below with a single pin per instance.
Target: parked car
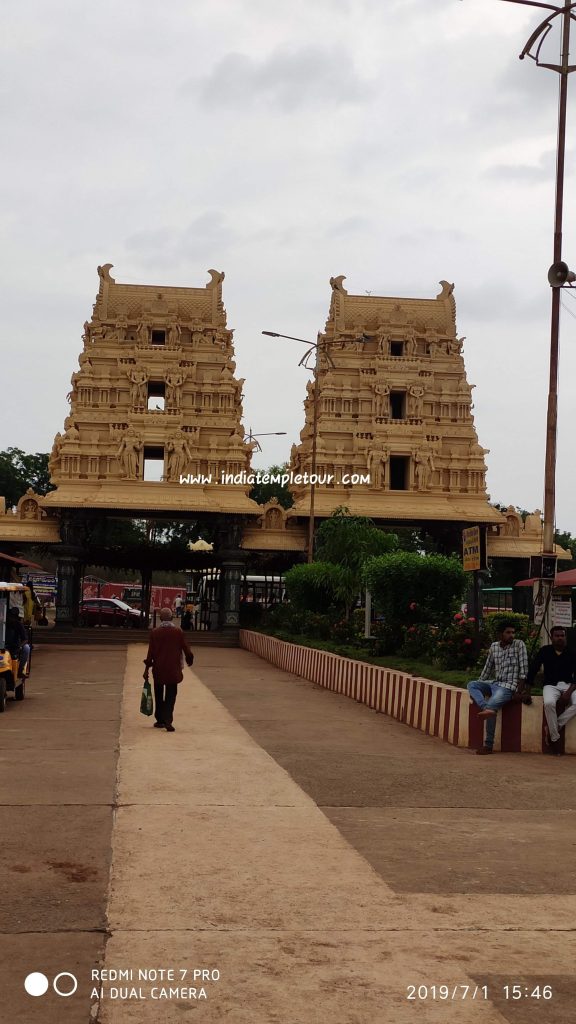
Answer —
(108, 611)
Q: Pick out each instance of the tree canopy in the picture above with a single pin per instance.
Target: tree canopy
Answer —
(349, 540)
(262, 493)
(19, 471)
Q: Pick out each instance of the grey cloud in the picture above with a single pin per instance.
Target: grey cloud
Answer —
(347, 226)
(209, 233)
(487, 301)
(431, 234)
(285, 80)
(531, 173)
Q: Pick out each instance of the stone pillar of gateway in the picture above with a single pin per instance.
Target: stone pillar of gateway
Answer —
(154, 424)
(395, 429)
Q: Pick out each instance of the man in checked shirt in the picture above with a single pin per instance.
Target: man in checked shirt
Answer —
(503, 675)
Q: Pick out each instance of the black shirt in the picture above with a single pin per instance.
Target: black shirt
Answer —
(558, 668)
(15, 635)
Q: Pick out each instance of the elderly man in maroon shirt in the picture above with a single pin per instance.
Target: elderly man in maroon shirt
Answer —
(165, 650)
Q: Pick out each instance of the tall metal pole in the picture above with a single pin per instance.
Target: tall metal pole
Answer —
(552, 413)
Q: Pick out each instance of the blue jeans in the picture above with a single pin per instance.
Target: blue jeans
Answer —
(489, 695)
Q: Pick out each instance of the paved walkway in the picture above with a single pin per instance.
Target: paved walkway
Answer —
(320, 857)
(324, 859)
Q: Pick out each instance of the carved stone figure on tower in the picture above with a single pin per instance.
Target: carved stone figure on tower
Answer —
(174, 382)
(174, 333)
(416, 393)
(86, 364)
(377, 463)
(129, 454)
(382, 401)
(143, 333)
(178, 455)
(423, 469)
(138, 391)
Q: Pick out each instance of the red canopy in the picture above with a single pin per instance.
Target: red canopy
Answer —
(19, 561)
(563, 579)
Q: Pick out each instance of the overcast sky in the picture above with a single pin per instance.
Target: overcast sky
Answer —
(397, 142)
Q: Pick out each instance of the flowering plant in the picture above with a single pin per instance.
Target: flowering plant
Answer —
(457, 648)
(419, 640)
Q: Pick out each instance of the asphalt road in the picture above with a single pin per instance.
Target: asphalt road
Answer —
(58, 754)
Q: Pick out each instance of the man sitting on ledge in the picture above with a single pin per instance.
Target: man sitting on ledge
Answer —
(559, 666)
(503, 676)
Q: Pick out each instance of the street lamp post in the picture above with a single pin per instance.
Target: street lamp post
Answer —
(313, 346)
(269, 433)
(559, 275)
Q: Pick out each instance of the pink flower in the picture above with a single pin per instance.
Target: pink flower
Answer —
(471, 619)
(458, 617)
(467, 640)
(412, 606)
(412, 629)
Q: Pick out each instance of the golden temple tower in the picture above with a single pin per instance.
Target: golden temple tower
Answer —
(154, 404)
(394, 405)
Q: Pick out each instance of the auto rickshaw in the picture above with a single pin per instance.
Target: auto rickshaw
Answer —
(9, 663)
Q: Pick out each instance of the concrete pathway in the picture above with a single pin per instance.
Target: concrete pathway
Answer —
(58, 751)
(224, 862)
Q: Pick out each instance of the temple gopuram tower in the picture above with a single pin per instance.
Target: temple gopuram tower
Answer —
(394, 403)
(155, 398)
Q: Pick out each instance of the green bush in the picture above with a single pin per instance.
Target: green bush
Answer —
(494, 620)
(296, 621)
(318, 587)
(385, 638)
(250, 615)
(348, 540)
(409, 588)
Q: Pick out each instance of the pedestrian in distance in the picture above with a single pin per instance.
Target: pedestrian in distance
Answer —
(559, 666)
(32, 608)
(503, 676)
(17, 640)
(166, 650)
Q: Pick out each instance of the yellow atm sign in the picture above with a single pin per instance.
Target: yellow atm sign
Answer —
(471, 550)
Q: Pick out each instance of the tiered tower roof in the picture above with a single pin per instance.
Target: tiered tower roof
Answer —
(156, 386)
(394, 405)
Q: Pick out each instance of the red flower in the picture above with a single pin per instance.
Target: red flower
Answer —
(467, 640)
(412, 629)
(458, 617)
(412, 606)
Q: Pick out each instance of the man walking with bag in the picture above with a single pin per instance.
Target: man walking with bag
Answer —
(165, 650)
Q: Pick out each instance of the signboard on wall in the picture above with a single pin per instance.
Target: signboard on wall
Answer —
(562, 612)
(473, 548)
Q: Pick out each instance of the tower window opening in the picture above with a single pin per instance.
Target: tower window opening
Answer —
(399, 472)
(396, 348)
(398, 405)
(156, 396)
(153, 464)
(158, 337)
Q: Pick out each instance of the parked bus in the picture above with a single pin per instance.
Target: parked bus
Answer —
(497, 599)
(255, 591)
